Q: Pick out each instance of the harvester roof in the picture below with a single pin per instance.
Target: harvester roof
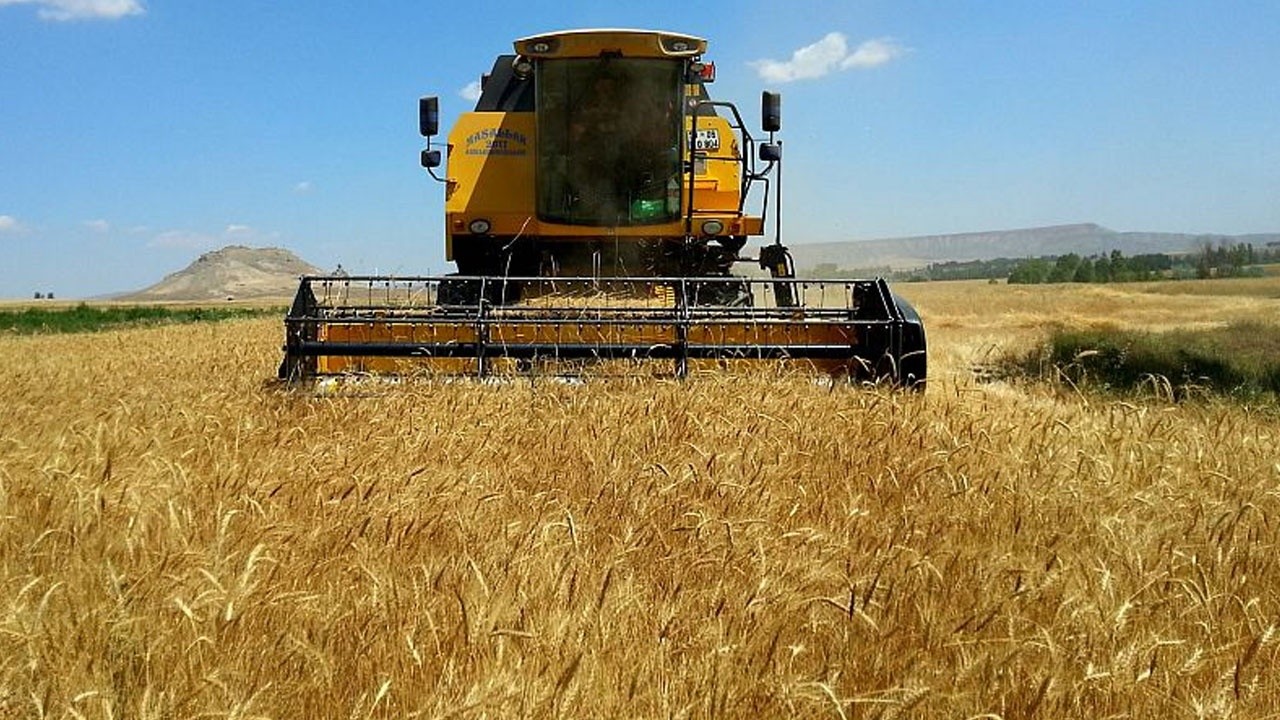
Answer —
(625, 42)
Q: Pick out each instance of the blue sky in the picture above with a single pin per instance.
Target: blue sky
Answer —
(135, 134)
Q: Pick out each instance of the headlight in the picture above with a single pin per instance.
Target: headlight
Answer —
(480, 226)
(712, 227)
(522, 67)
(682, 45)
(541, 46)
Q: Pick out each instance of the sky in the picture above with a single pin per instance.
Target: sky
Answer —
(137, 134)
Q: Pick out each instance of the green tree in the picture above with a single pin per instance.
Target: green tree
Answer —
(1205, 261)
(1065, 268)
(1121, 268)
(1085, 272)
(1102, 269)
(1030, 272)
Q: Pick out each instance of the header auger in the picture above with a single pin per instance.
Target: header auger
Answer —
(596, 201)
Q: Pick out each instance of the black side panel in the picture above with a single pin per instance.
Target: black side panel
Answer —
(913, 362)
(300, 328)
(503, 91)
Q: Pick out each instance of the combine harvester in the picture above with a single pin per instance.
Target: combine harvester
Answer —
(595, 204)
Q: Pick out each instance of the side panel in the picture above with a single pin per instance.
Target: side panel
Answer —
(717, 179)
(491, 173)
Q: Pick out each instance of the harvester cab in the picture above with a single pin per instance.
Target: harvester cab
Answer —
(596, 202)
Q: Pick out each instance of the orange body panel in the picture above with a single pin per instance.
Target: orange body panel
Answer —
(491, 175)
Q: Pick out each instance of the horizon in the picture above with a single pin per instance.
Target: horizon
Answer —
(142, 134)
(202, 254)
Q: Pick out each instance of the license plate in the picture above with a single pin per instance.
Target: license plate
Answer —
(707, 140)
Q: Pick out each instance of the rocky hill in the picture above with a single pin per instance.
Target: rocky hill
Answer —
(1083, 239)
(234, 272)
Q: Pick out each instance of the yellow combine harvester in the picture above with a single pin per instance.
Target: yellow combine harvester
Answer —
(595, 204)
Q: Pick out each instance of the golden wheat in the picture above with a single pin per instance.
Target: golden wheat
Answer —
(181, 538)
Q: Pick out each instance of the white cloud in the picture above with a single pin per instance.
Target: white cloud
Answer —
(238, 230)
(471, 92)
(303, 187)
(827, 55)
(99, 226)
(874, 53)
(62, 10)
(9, 223)
(810, 61)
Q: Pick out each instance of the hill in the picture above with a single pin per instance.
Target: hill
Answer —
(235, 272)
(1082, 238)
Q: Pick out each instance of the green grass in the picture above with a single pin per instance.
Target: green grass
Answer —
(1240, 361)
(87, 318)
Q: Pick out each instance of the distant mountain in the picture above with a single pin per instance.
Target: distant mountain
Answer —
(234, 272)
(1083, 239)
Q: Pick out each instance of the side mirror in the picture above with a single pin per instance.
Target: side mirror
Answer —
(771, 111)
(770, 152)
(428, 116)
(430, 159)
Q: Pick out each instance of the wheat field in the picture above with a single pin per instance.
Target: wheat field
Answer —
(180, 538)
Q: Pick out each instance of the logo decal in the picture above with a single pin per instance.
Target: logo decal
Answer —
(497, 141)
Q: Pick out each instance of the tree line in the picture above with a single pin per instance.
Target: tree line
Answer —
(1112, 267)
(1225, 259)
